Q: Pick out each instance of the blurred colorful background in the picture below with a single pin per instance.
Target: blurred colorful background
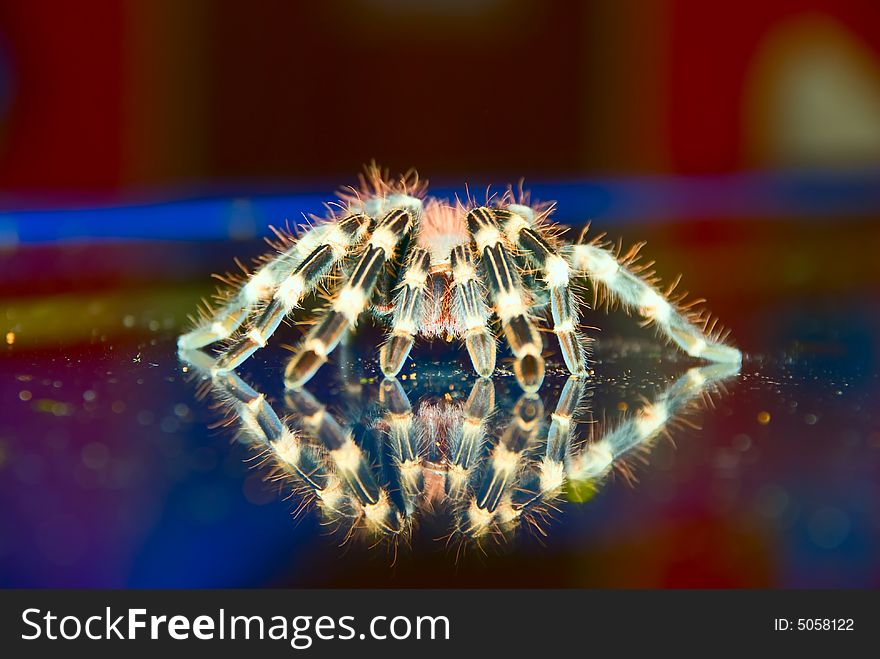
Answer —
(146, 144)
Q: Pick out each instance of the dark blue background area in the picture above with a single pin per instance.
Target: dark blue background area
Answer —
(610, 200)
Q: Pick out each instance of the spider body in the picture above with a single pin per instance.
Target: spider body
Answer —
(434, 269)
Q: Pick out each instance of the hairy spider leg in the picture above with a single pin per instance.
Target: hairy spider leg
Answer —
(351, 300)
(349, 462)
(464, 447)
(507, 296)
(518, 223)
(470, 306)
(633, 292)
(337, 243)
(408, 309)
(338, 474)
(260, 286)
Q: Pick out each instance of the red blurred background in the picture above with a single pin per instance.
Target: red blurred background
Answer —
(102, 99)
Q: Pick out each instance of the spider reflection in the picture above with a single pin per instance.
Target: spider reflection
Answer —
(489, 473)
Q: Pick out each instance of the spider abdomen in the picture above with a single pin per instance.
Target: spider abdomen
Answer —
(439, 320)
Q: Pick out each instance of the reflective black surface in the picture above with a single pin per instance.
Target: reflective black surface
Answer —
(116, 474)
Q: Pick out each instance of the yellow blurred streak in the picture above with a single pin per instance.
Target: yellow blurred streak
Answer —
(52, 321)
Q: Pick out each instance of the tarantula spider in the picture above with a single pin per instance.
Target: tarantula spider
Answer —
(447, 257)
(444, 456)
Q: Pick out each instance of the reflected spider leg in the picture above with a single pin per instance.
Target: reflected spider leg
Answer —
(261, 426)
(464, 449)
(542, 481)
(349, 462)
(611, 274)
(506, 292)
(503, 466)
(405, 442)
(275, 279)
(351, 300)
(597, 457)
(518, 223)
(335, 470)
(559, 436)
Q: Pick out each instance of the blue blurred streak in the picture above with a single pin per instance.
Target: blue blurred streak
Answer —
(742, 195)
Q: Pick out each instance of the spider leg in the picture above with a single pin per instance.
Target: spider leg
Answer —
(634, 292)
(506, 293)
(263, 283)
(517, 222)
(382, 304)
(471, 308)
(408, 304)
(304, 278)
(351, 301)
